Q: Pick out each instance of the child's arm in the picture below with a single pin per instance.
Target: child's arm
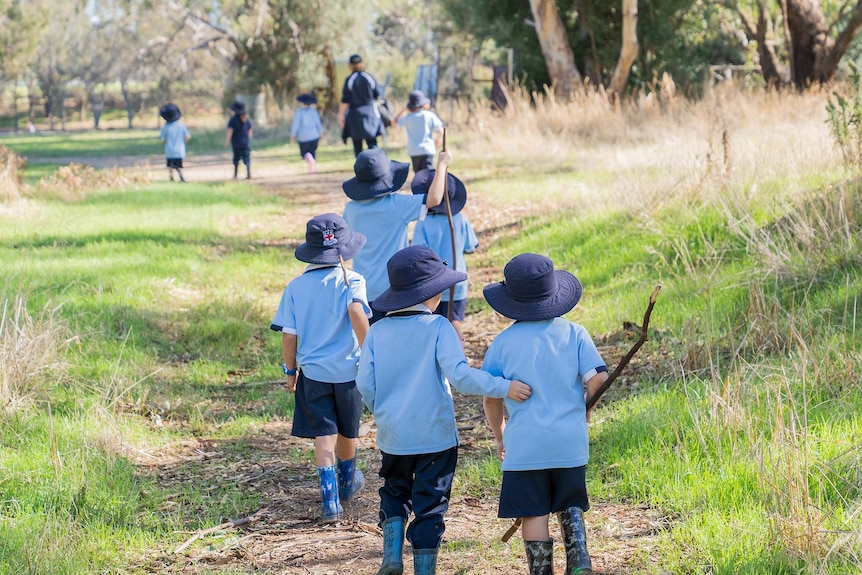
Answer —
(358, 320)
(288, 349)
(365, 381)
(399, 114)
(228, 137)
(593, 385)
(496, 421)
(437, 136)
(438, 184)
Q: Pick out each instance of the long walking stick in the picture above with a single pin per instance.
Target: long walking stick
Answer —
(451, 235)
(594, 399)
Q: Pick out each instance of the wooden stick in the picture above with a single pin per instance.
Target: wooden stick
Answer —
(451, 306)
(344, 271)
(591, 402)
(230, 524)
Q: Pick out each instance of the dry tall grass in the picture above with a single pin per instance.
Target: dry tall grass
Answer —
(72, 183)
(11, 166)
(29, 353)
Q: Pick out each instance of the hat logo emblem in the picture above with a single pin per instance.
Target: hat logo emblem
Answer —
(329, 238)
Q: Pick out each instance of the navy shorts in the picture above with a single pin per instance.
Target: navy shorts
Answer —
(422, 162)
(309, 147)
(543, 491)
(243, 154)
(326, 408)
(459, 309)
(175, 162)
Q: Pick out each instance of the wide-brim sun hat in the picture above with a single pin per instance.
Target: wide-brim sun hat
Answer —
(533, 290)
(417, 99)
(455, 188)
(307, 98)
(170, 112)
(416, 274)
(238, 107)
(376, 175)
(328, 239)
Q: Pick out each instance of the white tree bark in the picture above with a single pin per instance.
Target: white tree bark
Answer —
(629, 49)
(559, 58)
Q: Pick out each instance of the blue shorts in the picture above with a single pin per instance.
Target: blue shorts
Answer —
(309, 147)
(241, 154)
(543, 491)
(326, 408)
(459, 309)
(174, 163)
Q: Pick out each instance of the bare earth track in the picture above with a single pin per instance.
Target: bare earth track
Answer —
(283, 536)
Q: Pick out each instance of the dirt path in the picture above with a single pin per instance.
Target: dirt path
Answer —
(284, 536)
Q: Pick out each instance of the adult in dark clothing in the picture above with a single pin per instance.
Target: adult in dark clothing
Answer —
(238, 137)
(358, 113)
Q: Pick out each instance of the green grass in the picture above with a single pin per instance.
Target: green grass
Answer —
(166, 290)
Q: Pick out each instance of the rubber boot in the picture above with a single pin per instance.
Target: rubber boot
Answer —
(393, 547)
(575, 541)
(331, 508)
(350, 479)
(424, 562)
(312, 163)
(540, 557)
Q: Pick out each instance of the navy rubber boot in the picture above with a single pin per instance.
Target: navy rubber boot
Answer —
(393, 547)
(540, 557)
(331, 506)
(350, 479)
(425, 562)
(575, 540)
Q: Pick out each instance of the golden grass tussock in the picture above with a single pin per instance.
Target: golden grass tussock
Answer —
(30, 349)
(72, 183)
(11, 166)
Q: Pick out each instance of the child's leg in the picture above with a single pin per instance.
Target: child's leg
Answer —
(575, 540)
(430, 494)
(535, 528)
(246, 159)
(171, 174)
(324, 450)
(180, 172)
(348, 410)
(395, 507)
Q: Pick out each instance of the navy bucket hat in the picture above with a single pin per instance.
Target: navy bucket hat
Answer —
(170, 112)
(533, 290)
(416, 274)
(376, 175)
(355, 59)
(417, 99)
(238, 107)
(326, 238)
(456, 189)
(307, 98)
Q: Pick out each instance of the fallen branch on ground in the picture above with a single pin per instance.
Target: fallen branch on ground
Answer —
(230, 524)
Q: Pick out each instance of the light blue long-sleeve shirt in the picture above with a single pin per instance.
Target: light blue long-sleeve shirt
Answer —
(306, 125)
(403, 371)
(433, 231)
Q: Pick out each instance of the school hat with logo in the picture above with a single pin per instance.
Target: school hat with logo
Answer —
(533, 290)
(326, 238)
(376, 175)
(307, 98)
(170, 112)
(416, 274)
(417, 99)
(456, 189)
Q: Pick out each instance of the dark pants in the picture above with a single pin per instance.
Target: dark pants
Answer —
(421, 484)
(357, 145)
(422, 162)
(309, 147)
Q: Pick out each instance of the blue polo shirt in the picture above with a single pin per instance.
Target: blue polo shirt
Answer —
(314, 308)
(403, 373)
(433, 232)
(383, 220)
(240, 138)
(420, 126)
(174, 134)
(306, 126)
(554, 357)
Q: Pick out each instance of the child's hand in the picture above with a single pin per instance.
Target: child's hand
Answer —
(501, 450)
(519, 391)
(445, 159)
(291, 383)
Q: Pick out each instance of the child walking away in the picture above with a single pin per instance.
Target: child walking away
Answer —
(307, 129)
(544, 448)
(323, 319)
(382, 215)
(434, 232)
(239, 134)
(408, 361)
(174, 136)
(424, 129)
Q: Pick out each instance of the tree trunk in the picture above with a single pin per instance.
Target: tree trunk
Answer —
(128, 99)
(556, 50)
(332, 98)
(592, 64)
(630, 47)
(809, 35)
(770, 66)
